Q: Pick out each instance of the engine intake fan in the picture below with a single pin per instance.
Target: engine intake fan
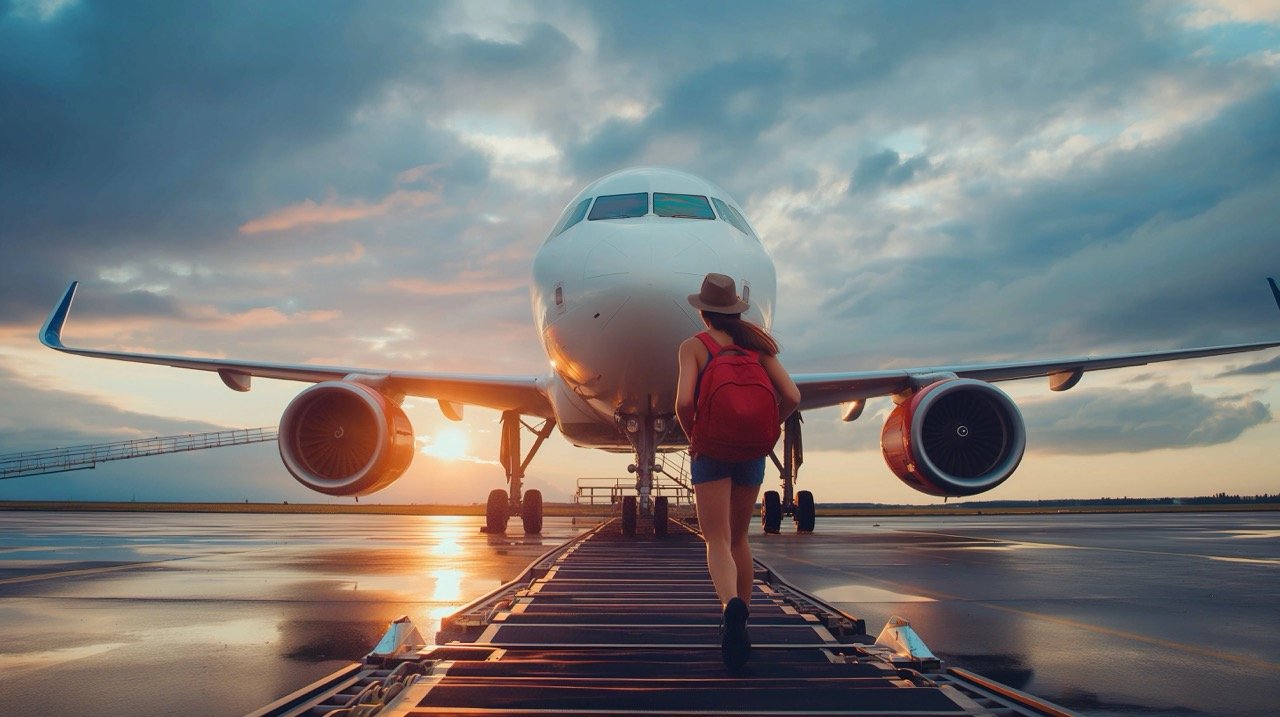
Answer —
(344, 438)
(955, 437)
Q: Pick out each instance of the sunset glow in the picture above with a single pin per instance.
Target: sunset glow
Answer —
(449, 444)
(961, 190)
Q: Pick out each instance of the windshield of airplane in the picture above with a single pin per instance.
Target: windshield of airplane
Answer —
(620, 206)
(683, 206)
(734, 217)
(572, 216)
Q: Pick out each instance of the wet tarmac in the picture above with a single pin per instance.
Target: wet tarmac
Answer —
(1143, 614)
(159, 614)
(198, 614)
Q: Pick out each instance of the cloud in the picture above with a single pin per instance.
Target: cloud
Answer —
(886, 168)
(40, 416)
(366, 184)
(1095, 422)
(1255, 369)
(309, 213)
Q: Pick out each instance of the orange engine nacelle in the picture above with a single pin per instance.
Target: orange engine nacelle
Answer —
(954, 437)
(344, 438)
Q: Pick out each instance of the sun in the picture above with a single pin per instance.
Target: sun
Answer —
(449, 444)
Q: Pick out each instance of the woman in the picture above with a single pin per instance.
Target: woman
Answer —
(726, 492)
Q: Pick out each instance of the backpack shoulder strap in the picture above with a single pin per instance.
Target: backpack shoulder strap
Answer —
(712, 347)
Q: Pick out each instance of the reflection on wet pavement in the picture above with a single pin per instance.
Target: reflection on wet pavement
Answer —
(245, 607)
(1170, 614)
(1115, 615)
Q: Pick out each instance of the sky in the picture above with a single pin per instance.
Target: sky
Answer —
(366, 184)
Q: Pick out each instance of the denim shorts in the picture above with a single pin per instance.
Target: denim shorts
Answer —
(745, 473)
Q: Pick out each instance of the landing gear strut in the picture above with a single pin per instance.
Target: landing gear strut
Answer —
(800, 505)
(528, 504)
(645, 433)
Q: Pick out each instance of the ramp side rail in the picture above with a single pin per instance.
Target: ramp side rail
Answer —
(609, 491)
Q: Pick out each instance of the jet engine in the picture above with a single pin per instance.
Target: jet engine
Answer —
(345, 438)
(954, 437)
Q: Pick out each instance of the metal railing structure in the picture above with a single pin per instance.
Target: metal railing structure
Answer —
(672, 481)
(74, 458)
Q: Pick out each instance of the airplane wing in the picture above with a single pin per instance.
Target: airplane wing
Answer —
(828, 389)
(818, 390)
(525, 394)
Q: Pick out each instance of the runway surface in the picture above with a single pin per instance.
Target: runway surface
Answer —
(156, 614)
(1143, 614)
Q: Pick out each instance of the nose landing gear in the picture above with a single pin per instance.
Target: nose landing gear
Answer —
(645, 434)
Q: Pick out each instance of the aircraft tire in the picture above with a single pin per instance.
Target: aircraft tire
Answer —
(805, 515)
(661, 513)
(531, 511)
(771, 512)
(629, 515)
(496, 512)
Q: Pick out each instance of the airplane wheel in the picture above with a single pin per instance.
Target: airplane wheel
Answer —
(629, 515)
(805, 515)
(531, 511)
(496, 512)
(660, 515)
(771, 512)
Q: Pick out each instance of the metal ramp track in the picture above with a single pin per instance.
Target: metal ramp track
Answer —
(608, 625)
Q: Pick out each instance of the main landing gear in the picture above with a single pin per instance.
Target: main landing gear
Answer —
(501, 505)
(800, 507)
(645, 434)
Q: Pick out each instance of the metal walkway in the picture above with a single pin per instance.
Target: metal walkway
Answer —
(607, 625)
(74, 458)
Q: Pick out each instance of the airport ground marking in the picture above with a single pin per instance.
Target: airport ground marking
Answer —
(113, 568)
(1067, 546)
(81, 572)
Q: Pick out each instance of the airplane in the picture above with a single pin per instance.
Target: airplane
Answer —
(608, 293)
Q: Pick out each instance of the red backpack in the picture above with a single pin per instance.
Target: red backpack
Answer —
(735, 406)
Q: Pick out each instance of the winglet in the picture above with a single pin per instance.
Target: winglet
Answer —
(1275, 291)
(51, 332)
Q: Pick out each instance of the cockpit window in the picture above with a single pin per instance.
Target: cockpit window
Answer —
(571, 216)
(734, 217)
(620, 206)
(683, 206)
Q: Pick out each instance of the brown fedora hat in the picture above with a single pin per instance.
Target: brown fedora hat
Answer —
(718, 295)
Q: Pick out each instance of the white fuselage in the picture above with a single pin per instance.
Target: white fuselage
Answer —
(610, 300)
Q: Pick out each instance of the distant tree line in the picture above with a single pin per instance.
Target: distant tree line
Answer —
(1215, 499)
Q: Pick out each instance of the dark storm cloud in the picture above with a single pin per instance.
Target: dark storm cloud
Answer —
(132, 126)
(128, 104)
(1237, 150)
(1156, 246)
(1255, 369)
(1132, 421)
(541, 46)
(886, 169)
(728, 74)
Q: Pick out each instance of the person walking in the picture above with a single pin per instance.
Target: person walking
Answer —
(728, 424)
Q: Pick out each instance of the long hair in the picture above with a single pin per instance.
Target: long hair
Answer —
(744, 333)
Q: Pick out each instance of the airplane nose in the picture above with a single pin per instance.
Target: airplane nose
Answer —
(651, 258)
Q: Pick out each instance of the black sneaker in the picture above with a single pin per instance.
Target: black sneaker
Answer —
(735, 643)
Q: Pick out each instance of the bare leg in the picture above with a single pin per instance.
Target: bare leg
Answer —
(713, 501)
(742, 505)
